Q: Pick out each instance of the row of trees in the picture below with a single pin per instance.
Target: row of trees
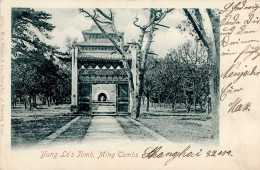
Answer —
(35, 70)
(181, 77)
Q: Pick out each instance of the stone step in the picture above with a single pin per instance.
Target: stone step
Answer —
(105, 109)
(105, 104)
(109, 103)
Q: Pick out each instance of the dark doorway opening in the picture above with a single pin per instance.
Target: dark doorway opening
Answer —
(102, 97)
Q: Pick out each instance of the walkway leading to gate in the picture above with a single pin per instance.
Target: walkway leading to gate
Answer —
(104, 129)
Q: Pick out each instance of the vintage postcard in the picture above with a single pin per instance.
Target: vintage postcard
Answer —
(130, 84)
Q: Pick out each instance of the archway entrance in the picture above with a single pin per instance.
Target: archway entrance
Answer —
(102, 97)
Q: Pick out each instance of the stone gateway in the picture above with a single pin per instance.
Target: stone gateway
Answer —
(99, 80)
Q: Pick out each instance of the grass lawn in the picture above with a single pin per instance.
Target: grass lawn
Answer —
(76, 132)
(181, 129)
(29, 127)
(133, 131)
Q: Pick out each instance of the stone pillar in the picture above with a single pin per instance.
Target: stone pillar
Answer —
(74, 80)
(133, 70)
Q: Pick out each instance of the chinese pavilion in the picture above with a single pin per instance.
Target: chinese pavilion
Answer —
(99, 81)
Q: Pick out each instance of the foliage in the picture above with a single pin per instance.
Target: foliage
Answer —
(181, 77)
(34, 71)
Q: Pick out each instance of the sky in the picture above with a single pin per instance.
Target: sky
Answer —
(71, 23)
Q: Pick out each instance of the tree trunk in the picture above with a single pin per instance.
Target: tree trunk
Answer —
(213, 81)
(214, 53)
(188, 109)
(207, 105)
(173, 105)
(186, 105)
(48, 102)
(54, 99)
(43, 100)
(147, 106)
(30, 102)
(142, 55)
(212, 43)
(201, 107)
(214, 56)
(139, 92)
(138, 106)
(25, 106)
(34, 101)
(214, 93)
(132, 98)
(194, 104)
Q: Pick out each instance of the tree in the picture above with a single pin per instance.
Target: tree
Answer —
(34, 71)
(172, 74)
(27, 24)
(195, 65)
(27, 49)
(100, 18)
(210, 38)
(150, 79)
(181, 77)
(158, 89)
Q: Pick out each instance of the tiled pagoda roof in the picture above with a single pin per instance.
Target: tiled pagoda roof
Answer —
(94, 29)
(98, 47)
(101, 56)
(91, 43)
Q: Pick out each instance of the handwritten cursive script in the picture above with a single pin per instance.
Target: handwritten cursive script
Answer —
(239, 39)
(155, 152)
(237, 106)
(229, 89)
(232, 72)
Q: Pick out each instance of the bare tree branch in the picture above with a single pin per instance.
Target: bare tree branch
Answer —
(135, 23)
(120, 49)
(200, 34)
(104, 15)
(103, 22)
(162, 25)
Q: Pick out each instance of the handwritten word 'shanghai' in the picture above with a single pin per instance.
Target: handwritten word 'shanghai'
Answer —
(186, 153)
